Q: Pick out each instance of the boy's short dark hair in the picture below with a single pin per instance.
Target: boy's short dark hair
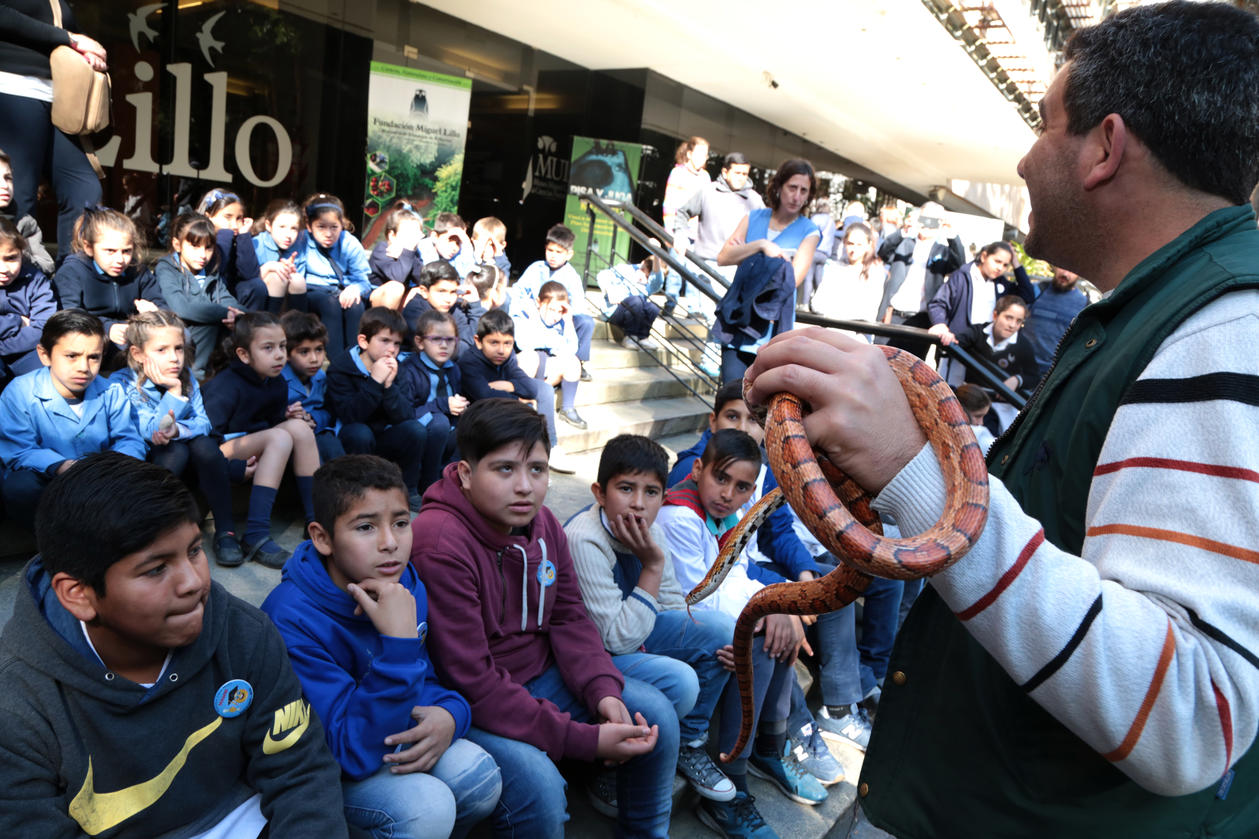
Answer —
(448, 221)
(379, 318)
(484, 278)
(303, 326)
(727, 393)
(70, 322)
(562, 235)
(633, 454)
(973, 398)
(341, 482)
(437, 271)
(429, 319)
(490, 424)
(551, 288)
(728, 446)
(495, 321)
(106, 506)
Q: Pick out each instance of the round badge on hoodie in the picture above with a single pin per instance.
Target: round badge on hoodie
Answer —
(232, 698)
(422, 631)
(546, 573)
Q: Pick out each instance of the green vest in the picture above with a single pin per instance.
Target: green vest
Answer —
(959, 749)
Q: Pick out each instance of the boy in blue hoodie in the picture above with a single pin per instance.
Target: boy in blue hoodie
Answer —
(353, 615)
(307, 381)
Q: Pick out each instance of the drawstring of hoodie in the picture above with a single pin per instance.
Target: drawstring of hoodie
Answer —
(541, 586)
(524, 587)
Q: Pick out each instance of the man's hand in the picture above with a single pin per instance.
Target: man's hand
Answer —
(457, 404)
(861, 418)
(349, 296)
(725, 657)
(118, 334)
(503, 385)
(143, 305)
(431, 735)
(389, 606)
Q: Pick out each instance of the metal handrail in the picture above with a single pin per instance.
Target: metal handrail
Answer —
(991, 375)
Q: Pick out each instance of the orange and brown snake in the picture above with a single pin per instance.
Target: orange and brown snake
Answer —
(837, 511)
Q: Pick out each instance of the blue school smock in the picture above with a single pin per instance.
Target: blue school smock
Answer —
(39, 429)
(341, 266)
(267, 250)
(149, 403)
(314, 399)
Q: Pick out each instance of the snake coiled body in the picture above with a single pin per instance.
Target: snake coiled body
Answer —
(837, 511)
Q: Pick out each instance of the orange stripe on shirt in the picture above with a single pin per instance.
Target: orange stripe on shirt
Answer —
(1222, 548)
(1226, 724)
(1143, 713)
(1006, 579)
(1212, 469)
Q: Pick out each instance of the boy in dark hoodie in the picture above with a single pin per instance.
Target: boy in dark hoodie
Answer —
(353, 615)
(140, 698)
(513, 636)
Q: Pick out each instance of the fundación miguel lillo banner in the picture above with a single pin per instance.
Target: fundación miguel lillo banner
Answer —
(609, 169)
(417, 122)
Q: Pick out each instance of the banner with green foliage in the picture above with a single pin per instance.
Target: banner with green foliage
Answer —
(417, 122)
(609, 169)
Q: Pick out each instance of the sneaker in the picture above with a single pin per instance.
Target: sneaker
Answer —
(601, 792)
(696, 766)
(561, 461)
(227, 550)
(814, 755)
(585, 375)
(571, 417)
(649, 343)
(266, 553)
(853, 728)
(785, 771)
(738, 819)
(629, 343)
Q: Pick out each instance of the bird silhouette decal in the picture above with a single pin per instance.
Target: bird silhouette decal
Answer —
(205, 39)
(139, 23)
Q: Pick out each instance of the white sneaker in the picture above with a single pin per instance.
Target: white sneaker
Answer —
(561, 461)
(629, 343)
(649, 343)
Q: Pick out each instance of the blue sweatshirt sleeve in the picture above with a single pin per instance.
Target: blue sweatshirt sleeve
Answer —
(777, 539)
(20, 444)
(357, 270)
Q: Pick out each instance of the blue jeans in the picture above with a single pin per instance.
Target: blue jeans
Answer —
(771, 703)
(695, 642)
(460, 790)
(584, 326)
(849, 669)
(533, 805)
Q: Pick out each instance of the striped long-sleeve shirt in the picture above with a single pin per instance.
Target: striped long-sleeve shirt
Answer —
(1147, 645)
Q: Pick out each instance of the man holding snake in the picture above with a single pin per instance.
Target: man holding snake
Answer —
(1091, 668)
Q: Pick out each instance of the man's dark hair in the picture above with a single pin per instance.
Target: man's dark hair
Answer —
(104, 507)
(70, 322)
(303, 326)
(437, 271)
(729, 392)
(633, 454)
(379, 318)
(341, 482)
(729, 446)
(1185, 78)
(490, 424)
(495, 321)
(561, 235)
(735, 158)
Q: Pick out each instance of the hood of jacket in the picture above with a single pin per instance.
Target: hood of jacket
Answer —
(305, 569)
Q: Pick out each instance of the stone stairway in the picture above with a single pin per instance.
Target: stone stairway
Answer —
(633, 392)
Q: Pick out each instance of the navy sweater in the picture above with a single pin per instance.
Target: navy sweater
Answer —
(29, 295)
(478, 371)
(414, 374)
(112, 299)
(405, 269)
(354, 396)
(238, 400)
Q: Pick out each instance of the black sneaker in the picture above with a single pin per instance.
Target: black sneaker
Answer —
(585, 374)
(573, 418)
(698, 768)
(601, 792)
(227, 550)
(737, 819)
(266, 553)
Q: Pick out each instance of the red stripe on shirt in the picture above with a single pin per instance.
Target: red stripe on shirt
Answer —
(1006, 579)
(1226, 724)
(1143, 713)
(1212, 469)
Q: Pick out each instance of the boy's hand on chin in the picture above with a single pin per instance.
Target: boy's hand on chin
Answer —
(634, 532)
(430, 737)
(389, 606)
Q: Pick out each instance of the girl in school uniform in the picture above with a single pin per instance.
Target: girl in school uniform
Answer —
(171, 417)
(277, 245)
(234, 246)
(26, 303)
(190, 281)
(337, 285)
(395, 263)
(104, 276)
(248, 406)
(51, 417)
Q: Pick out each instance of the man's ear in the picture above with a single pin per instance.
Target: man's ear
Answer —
(78, 598)
(320, 538)
(1104, 150)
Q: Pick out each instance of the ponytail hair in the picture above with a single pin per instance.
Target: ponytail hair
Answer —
(241, 336)
(140, 329)
(96, 220)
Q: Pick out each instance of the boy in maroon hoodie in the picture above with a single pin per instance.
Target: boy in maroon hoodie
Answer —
(509, 631)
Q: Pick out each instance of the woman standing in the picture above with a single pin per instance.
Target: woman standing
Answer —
(687, 178)
(27, 38)
(779, 232)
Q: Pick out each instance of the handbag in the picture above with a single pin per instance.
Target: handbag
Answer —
(80, 95)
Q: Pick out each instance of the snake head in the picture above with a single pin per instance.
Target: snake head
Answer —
(759, 412)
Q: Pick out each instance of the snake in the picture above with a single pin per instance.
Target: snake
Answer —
(838, 512)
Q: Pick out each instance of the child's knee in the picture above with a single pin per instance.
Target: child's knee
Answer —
(299, 431)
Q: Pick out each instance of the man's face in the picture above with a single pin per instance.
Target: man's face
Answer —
(1064, 280)
(1048, 170)
(737, 175)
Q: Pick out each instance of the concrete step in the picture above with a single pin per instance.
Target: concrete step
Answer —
(636, 384)
(652, 418)
(604, 355)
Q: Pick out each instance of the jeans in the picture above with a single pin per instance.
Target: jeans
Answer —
(459, 790)
(913, 588)
(771, 703)
(342, 324)
(405, 444)
(584, 325)
(734, 363)
(849, 669)
(694, 641)
(37, 149)
(533, 804)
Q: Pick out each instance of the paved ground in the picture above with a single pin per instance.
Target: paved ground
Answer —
(567, 495)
